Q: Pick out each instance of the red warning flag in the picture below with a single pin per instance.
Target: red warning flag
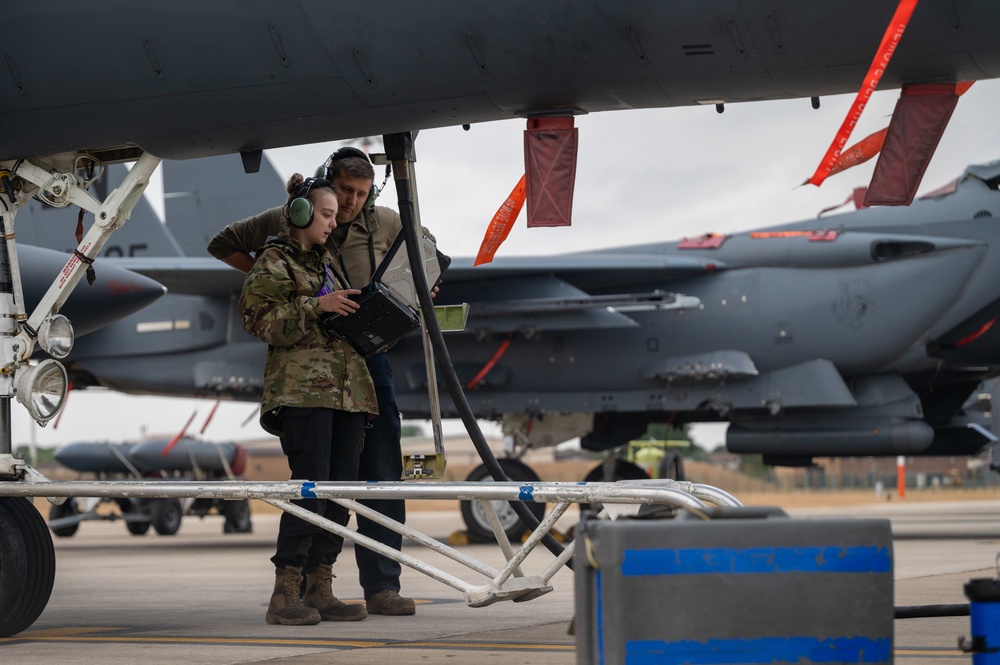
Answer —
(550, 146)
(918, 123)
(882, 57)
(501, 224)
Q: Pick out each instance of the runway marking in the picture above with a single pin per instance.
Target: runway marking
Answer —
(508, 646)
(80, 634)
(276, 641)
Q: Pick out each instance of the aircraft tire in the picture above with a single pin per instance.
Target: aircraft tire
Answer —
(672, 466)
(237, 514)
(474, 517)
(58, 511)
(27, 565)
(165, 515)
(624, 470)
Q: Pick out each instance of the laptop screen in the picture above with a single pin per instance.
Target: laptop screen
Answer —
(394, 270)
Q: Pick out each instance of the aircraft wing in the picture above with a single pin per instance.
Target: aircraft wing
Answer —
(408, 66)
(606, 272)
(567, 292)
(511, 278)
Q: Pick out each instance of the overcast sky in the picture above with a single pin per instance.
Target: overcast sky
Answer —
(641, 176)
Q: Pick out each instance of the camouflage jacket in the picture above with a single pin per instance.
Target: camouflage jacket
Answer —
(304, 367)
(359, 246)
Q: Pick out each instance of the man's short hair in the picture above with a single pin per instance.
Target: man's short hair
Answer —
(350, 162)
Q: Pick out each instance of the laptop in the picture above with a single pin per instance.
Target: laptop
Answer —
(388, 304)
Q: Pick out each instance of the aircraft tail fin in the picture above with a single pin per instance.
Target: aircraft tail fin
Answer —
(202, 196)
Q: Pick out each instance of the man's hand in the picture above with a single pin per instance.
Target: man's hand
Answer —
(339, 302)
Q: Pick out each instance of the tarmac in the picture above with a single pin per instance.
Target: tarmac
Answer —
(200, 596)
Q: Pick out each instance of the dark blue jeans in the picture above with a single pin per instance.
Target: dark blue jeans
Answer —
(381, 459)
(321, 444)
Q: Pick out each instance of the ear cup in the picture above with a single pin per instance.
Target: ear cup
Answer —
(300, 212)
(372, 195)
(300, 209)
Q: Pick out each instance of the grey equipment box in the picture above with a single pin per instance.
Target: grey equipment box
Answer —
(748, 585)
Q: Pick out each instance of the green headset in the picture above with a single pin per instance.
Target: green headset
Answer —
(329, 169)
(300, 208)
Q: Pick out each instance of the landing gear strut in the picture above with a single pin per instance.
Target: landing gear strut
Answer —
(27, 558)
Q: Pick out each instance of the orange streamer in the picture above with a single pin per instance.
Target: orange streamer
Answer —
(882, 57)
(502, 223)
(860, 152)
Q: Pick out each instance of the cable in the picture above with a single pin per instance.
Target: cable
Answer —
(399, 143)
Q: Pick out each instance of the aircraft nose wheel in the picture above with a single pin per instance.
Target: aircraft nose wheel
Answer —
(475, 518)
(27, 565)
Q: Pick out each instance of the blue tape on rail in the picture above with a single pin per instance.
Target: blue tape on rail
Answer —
(756, 560)
(307, 490)
(526, 493)
(760, 650)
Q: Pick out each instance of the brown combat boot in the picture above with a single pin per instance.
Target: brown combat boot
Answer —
(390, 603)
(319, 595)
(286, 605)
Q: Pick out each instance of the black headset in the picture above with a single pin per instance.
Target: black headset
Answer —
(300, 208)
(329, 169)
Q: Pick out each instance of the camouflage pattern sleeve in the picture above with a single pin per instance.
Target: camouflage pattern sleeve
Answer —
(271, 310)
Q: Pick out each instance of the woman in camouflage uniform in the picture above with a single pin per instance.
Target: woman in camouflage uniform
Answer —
(318, 393)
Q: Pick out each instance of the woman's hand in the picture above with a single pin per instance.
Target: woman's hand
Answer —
(339, 302)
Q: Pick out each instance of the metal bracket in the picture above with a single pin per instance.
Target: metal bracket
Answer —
(420, 466)
(108, 217)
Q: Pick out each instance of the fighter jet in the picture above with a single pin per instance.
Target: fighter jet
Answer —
(192, 79)
(856, 334)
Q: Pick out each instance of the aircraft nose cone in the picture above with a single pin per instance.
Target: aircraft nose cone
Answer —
(116, 293)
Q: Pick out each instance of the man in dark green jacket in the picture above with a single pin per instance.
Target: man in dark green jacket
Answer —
(363, 235)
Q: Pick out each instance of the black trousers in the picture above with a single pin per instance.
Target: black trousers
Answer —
(381, 459)
(321, 444)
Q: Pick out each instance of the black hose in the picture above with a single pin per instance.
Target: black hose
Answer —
(925, 611)
(398, 148)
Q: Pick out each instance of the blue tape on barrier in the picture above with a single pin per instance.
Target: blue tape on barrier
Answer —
(760, 650)
(755, 560)
(526, 493)
(307, 490)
